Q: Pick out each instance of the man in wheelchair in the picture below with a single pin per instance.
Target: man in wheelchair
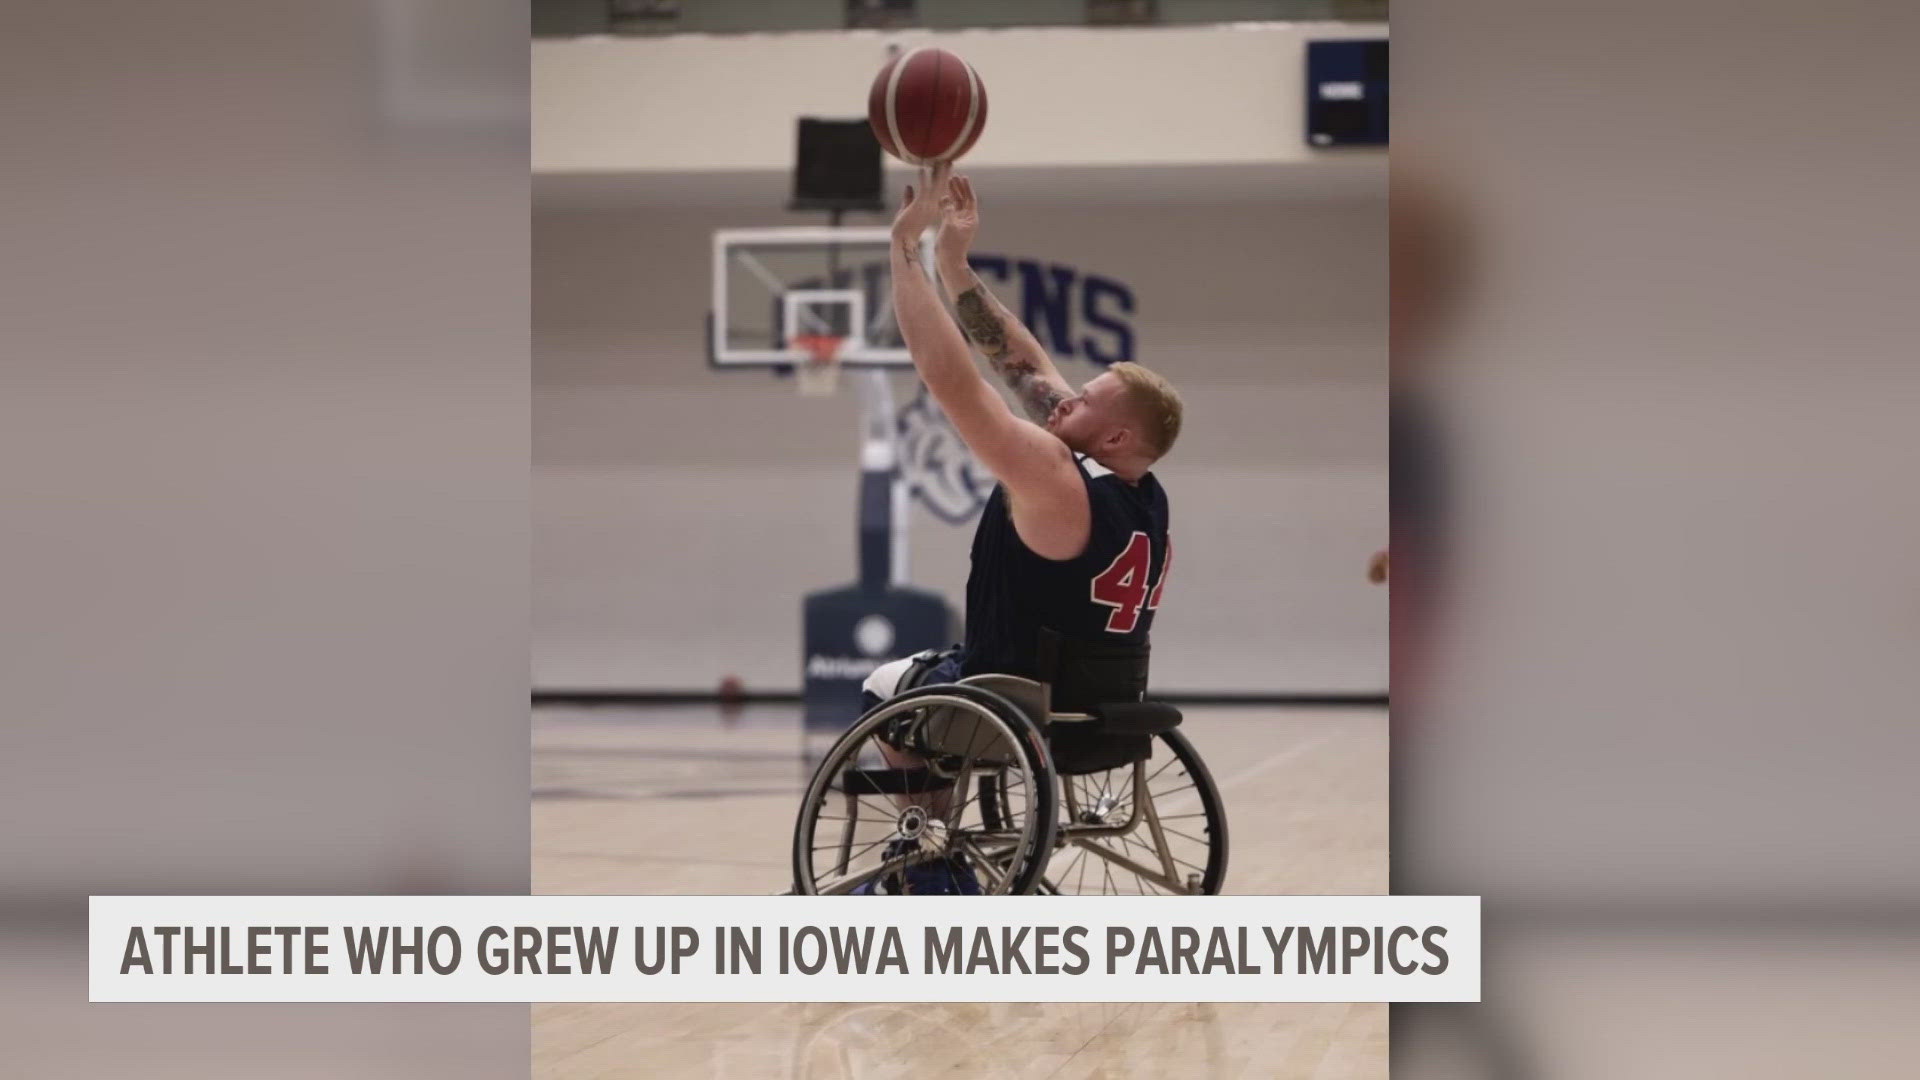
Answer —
(1069, 563)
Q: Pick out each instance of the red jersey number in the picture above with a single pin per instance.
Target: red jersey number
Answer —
(1160, 586)
(1122, 586)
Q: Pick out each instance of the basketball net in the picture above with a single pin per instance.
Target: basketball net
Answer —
(820, 375)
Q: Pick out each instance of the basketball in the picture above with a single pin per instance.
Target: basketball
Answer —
(927, 105)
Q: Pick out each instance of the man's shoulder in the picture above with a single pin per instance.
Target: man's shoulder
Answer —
(1099, 477)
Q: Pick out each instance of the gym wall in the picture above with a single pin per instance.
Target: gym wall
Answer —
(1059, 97)
(680, 512)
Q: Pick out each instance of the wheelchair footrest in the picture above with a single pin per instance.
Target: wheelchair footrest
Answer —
(892, 781)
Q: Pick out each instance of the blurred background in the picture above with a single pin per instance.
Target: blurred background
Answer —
(1654, 694)
(263, 446)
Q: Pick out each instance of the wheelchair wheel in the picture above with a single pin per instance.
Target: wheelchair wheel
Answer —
(938, 773)
(1154, 827)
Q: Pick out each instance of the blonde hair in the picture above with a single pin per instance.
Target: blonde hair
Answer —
(1157, 403)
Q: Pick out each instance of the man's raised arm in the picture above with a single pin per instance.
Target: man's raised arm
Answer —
(939, 352)
(1016, 355)
(1049, 500)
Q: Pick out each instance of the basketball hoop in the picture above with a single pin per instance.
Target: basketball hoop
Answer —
(820, 375)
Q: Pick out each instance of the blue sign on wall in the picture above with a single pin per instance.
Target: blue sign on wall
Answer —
(1347, 93)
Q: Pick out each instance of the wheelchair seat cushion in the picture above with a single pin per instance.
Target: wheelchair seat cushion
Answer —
(1137, 717)
(1081, 748)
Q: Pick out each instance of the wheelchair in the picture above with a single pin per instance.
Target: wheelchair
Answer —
(1071, 786)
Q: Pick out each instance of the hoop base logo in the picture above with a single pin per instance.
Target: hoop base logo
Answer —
(942, 473)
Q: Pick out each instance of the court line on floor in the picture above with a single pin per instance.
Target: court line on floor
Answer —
(606, 793)
(649, 753)
(677, 860)
(1283, 756)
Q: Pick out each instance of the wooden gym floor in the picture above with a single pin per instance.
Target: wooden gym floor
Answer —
(688, 800)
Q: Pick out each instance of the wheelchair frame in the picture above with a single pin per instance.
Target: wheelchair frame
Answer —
(1017, 710)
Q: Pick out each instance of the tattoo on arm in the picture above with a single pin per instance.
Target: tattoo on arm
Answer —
(988, 333)
(1038, 396)
(983, 327)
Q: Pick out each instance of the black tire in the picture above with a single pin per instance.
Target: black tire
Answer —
(1212, 806)
(1031, 745)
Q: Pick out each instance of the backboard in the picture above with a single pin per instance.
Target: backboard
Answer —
(772, 286)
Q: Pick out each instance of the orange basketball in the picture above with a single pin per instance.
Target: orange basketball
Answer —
(927, 105)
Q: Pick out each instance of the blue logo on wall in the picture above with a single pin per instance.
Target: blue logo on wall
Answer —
(938, 466)
(1076, 315)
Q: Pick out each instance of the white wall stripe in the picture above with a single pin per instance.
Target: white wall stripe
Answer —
(893, 93)
(973, 111)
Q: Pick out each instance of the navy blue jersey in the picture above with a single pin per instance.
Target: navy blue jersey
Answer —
(1104, 596)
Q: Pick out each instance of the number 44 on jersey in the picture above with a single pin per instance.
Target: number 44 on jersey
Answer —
(1122, 586)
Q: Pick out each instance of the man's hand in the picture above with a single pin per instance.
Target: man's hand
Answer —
(1377, 568)
(1015, 354)
(920, 210)
(958, 225)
